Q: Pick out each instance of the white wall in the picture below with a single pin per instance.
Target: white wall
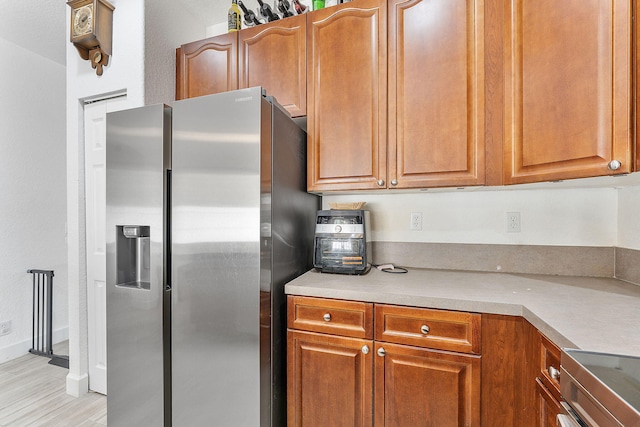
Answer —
(32, 190)
(125, 73)
(167, 26)
(563, 217)
(629, 217)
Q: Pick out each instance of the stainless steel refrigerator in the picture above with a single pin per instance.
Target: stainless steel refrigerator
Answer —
(207, 218)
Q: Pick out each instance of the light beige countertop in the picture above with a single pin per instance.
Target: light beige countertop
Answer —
(597, 314)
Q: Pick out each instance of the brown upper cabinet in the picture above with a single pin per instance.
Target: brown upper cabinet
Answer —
(274, 56)
(207, 66)
(347, 97)
(568, 89)
(436, 93)
(403, 94)
(271, 55)
(423, 126)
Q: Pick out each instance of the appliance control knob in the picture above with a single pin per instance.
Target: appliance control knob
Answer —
(553, 373)
(394, 182)
(424, 329)
(614, 165)
(381, 352)
(381, 183)
(327, 317)
(338, 229)
(365, 349)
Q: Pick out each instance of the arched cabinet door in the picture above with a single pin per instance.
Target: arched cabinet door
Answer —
(274, 56)
(347, 96)
(207, 66)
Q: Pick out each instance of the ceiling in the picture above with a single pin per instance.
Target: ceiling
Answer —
(40, 25)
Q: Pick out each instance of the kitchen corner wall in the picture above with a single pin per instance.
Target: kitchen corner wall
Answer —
(565, 223)
(568, 217)
(628, 222)
(32, 190)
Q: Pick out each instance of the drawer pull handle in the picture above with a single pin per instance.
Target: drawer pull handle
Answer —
(424, 329)
(365, 349)
(381, 352)
(327, 317)
(553, 373)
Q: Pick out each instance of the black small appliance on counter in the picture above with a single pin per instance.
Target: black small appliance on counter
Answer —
(341, 244)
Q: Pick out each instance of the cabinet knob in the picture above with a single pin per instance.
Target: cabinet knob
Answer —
(381, 183)
(553, 373)
(327, 317)
(365, 349)
(394, 182)
(614, 165)
(424, 329)
(381, 352)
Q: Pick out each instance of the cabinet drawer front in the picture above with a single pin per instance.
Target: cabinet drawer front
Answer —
(550, 365)
(439, 329)
(548, 405)
(346, 318)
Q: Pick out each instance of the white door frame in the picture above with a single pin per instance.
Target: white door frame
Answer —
(95, 210)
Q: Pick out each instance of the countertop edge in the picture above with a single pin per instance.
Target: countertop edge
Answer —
(496, 293)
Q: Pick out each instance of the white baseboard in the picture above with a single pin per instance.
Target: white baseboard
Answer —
(15, 350)
(77, 385)
(60, 335)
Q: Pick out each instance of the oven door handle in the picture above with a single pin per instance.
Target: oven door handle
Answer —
(563, 420)
(568, 418)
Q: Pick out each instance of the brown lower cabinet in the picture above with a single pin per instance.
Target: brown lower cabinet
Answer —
(424, 387)
(353, 363)
(329, 380)
(331, 383)
(347, 381)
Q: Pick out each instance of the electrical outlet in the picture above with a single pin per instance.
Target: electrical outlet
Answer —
(416, 221)
(513, 222)
(5, 328)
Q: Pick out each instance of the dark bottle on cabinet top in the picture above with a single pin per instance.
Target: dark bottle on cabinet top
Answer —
(285, 8)
(249, 17)
(266, 12)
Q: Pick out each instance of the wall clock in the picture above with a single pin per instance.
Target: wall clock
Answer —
(91, 30)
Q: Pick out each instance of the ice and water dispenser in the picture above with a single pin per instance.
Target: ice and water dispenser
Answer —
(133, 250)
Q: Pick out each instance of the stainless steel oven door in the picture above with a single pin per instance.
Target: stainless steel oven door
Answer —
(590, 411)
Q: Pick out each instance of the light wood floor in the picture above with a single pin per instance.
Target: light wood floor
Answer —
(32, 393)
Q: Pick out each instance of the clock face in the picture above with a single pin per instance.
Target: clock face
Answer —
(83, 20)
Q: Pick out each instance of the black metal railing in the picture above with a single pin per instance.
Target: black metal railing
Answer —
(42, 323)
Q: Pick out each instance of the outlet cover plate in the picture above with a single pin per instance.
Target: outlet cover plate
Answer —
(5, 328)
(513, 222)
(416, 221)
